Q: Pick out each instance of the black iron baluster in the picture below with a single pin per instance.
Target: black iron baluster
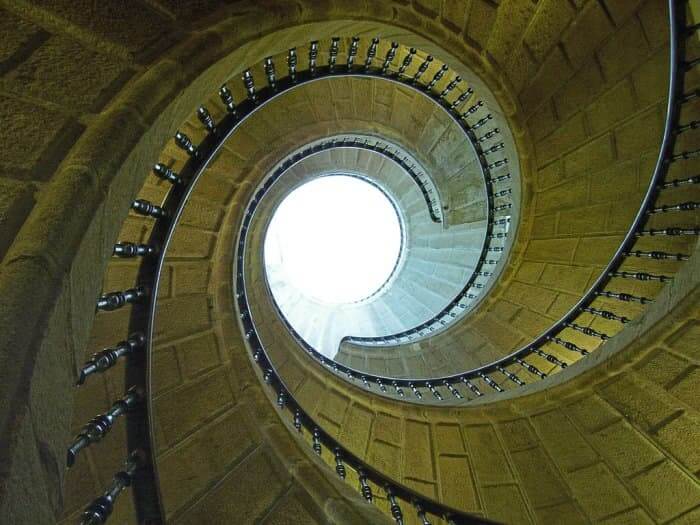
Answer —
(393, 505)
(365, 489)
(407, 61)
(105, 359)
(482, 121)
(550, 358)
(415, 390)
(292, 63)
(371, 53)
(227, 99)
(126, 250)
(452, 389)
(313, 55)
(114, 300)
(333, 53)
(472, 109)
(185, 143)
(450, 86)
(422, 69)
(100, 509)
(163, 172)
(316, 436)
(531, 368)
(432, 389)
(437, 76)
(352, 51)
(489, 135)
(99, 426)
(510, 375)
(270, 73)
(605, 314)
(421, 514)
(490, 382)
(625, 297)
(466, 95)
(657, 255)
(206, 119)
(399, 390)
(587, 330)
(249, 84)
(471, 386)
(390, 55)
(568, 345)
(339, 467)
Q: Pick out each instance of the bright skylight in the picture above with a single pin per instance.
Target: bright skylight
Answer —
(335, 239)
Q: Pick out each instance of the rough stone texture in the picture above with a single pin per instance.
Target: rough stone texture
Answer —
(42, 264)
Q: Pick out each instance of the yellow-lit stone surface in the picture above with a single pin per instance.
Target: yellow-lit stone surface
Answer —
(91, 93)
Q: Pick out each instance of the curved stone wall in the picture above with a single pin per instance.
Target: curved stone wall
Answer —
(586, 80)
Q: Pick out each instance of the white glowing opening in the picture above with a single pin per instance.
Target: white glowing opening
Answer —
(335, 239)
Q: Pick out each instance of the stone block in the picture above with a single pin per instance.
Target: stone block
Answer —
(687, 387)
(20, 37)
(553, 74)
(16, 201)
(67, 74)
(181, 316)
(429, 8)
(662, 368)
(596, 250)
(624, 448)
(480, 22)
(686, 340)
(624, 51)
(188, 469)
(611, 107)
(199, 354)
(564, 512)
(568, 195)
(263, 482)
(530, 296)
(448, 439)
(505, 504)
(598, 491)
(650, 79)
(456, 484)
(631, 517)
(517, 435)
(593, 156)
(181, 411)
(592, 413)
(191, 242)
(680, 437)
(551, 250)
(666, 490)
(547, 26)
(355, 433)
(641, 402)
(385, 457)
(511, 20)
(583, 221)
(571, 134)
(654, 18)
(585, 35)
(540, 480)
(543, 122)
(419, 463)
(565, 444)
(124, 32)
(640, 134)
(334, 407)
(166, 370)
(520, 68)
(454, 15)
(45, 136)
(621, 10)
(580, 90)
(488, 457)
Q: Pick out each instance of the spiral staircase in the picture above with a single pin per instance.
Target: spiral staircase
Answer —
(533, 357)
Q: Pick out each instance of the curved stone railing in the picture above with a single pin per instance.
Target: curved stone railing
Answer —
(136, 406)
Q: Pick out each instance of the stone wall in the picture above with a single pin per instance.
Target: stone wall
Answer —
(86, 99)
